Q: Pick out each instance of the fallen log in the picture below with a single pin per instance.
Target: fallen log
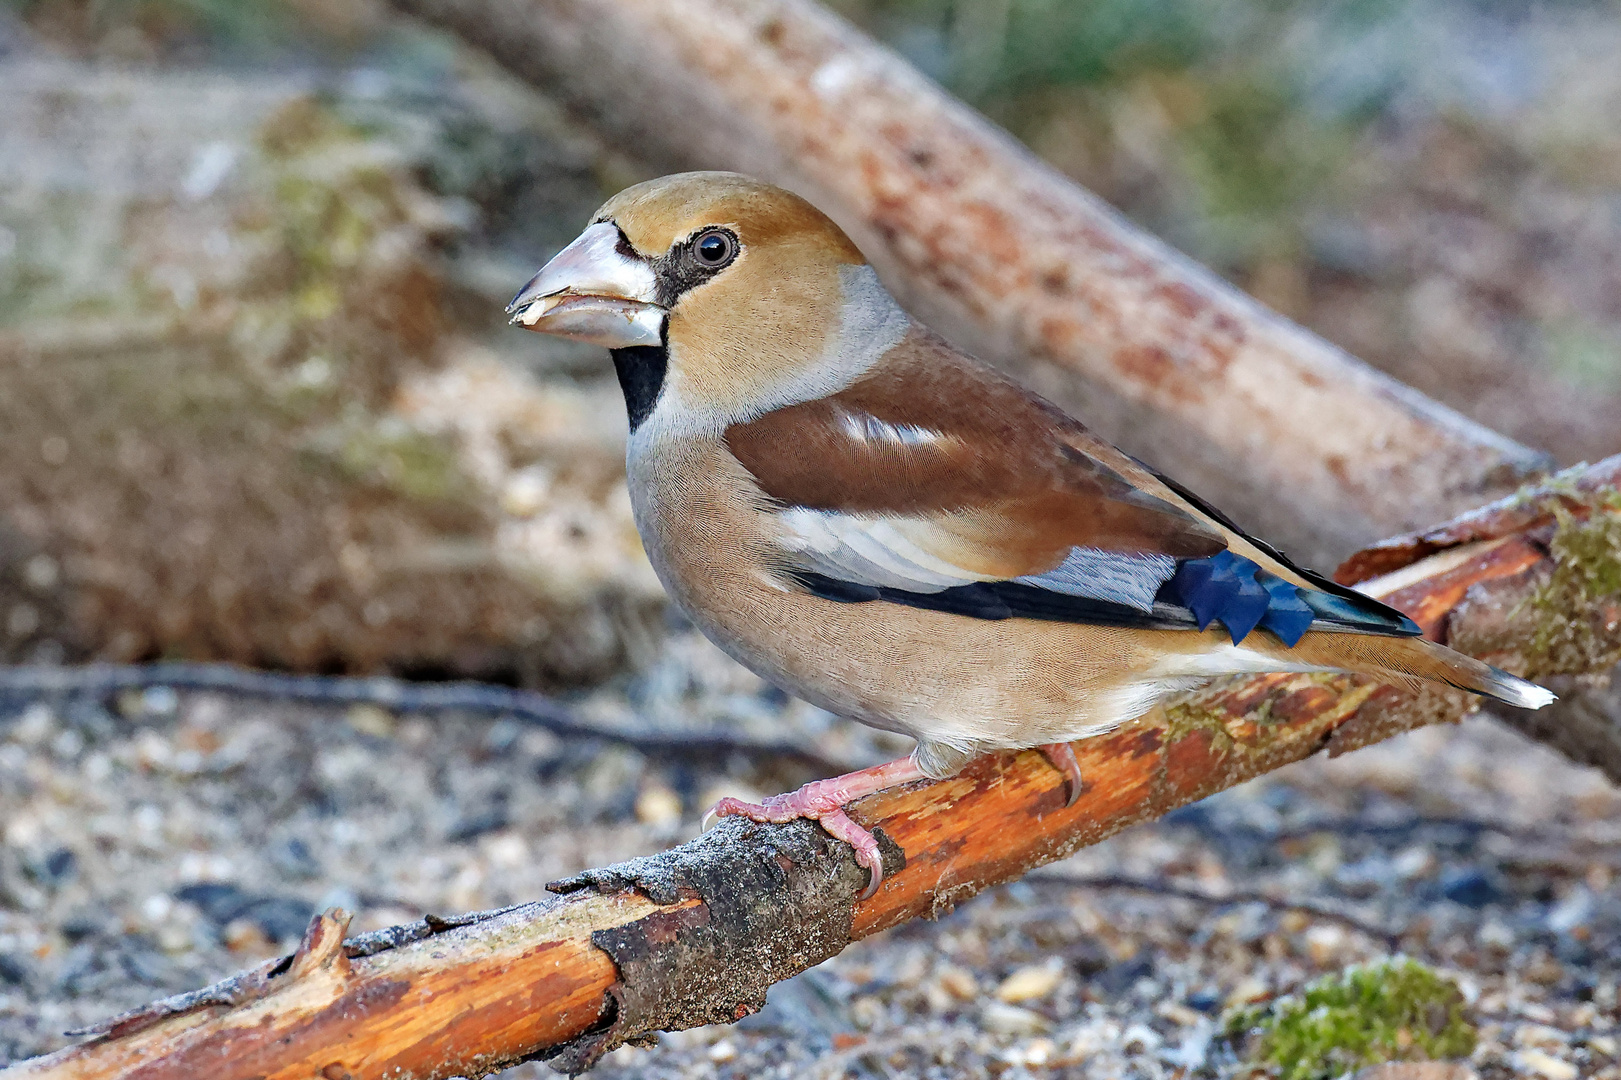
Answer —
(1297, 439)
(698, 934)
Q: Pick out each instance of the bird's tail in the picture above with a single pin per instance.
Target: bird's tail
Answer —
(1409, 659)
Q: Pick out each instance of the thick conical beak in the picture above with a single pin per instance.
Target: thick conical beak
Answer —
(591, 291)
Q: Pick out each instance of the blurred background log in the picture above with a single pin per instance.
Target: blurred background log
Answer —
(244, 418)
(696, 935)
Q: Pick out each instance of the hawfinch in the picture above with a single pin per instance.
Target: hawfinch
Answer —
(898, 533)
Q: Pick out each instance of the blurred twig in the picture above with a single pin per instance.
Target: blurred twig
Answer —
(396, 695)
(1108, 882)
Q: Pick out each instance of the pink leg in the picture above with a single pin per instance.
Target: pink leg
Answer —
(1062, 757)
(825, 800)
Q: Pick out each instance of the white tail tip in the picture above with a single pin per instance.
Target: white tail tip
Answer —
(1512, 690)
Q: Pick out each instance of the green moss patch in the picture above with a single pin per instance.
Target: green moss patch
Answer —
(1587, 570)
(1392, 1010)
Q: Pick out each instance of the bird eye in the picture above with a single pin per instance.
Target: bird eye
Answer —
(715, 248)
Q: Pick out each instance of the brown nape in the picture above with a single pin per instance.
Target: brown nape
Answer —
(1015, 470)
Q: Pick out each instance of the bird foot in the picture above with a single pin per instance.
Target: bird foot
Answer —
(824, 801)
(1061, 755)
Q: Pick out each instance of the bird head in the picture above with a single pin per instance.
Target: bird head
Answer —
(745, 296)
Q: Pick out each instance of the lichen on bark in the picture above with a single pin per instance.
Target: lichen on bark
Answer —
(1578, 608)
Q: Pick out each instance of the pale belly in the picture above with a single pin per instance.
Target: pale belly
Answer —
(961, 686)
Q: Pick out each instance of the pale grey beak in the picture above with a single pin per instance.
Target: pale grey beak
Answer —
(591, 291)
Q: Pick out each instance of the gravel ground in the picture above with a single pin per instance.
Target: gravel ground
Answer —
(158, 842)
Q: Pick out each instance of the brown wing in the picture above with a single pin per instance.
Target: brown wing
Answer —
(1009, 481)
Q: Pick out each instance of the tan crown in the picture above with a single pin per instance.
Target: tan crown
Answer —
(656, 214)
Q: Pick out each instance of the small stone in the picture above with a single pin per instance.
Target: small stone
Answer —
(959, 983)
(371, 720)
(34, 725)
(54, 869)
(866, 1012)
(1417, 1070)
(160, 701)
(1029, 984)
(1544, 1064)
(1414, 862)
(241, 935)
(1179, 1014)
(1471, 887)
(1541, 1035)
(525, 493)
(22, 620)
(478, 823)
(1092, 1040)
(41, 573)
(910, 970)
(1119, 979)
(294, 858)
(723, 1051)
(658, 805)
(14, 970)
(1005, 1019)
(507, 850)
(1324, 943)
(1036, 1052)
(1248, 990)
(174, 938)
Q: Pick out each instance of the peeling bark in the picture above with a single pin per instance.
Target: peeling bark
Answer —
(696, 935)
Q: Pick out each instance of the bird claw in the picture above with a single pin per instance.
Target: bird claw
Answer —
(806, 804)
(1062, 757)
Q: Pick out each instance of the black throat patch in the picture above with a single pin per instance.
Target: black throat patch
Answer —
(641, 370)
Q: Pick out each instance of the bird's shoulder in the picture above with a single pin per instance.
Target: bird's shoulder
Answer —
(930, 431)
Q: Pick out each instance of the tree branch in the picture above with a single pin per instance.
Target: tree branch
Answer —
(696, 935)
(1297, 439)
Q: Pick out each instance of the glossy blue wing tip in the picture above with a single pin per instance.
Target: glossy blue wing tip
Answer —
(1287, 615)
(1242, 596)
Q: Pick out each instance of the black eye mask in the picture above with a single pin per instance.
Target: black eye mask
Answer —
(685, 267)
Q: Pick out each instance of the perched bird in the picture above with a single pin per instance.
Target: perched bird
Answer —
(896, 532)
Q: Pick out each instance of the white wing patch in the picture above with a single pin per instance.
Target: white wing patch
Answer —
(865, 428)
(1125, 578)
(868, 551)
(878, 551)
